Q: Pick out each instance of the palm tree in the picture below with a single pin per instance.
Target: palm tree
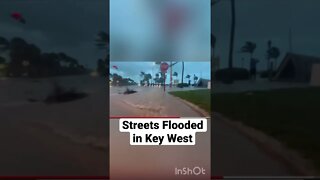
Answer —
(213, 43)
(175, 74)
(116, 79)
(188, 77)
(147, 78)
(162, 78)
(182, 73)
(142, 74)
(157, 79)
(232, 33)
(273, 53)
(249, 47)
(102, 42)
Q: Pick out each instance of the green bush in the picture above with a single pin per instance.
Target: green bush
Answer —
(229, 75)
(265, 74)
(180, 85)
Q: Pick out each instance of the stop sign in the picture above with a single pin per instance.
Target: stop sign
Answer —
(164, 67)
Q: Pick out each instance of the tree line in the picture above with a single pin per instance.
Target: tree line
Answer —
(159, 78)
(272, 53)
(118, 80)
(27, 60)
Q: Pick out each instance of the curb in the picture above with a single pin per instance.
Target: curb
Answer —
(194, 107)
(275, 148)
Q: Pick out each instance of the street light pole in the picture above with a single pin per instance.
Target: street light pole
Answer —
(164, 84)
(170, 74)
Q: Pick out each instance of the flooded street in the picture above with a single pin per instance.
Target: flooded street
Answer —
(67, 139)
(148, 101)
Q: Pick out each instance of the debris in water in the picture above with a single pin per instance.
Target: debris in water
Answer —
(129, 91)
(61, 95)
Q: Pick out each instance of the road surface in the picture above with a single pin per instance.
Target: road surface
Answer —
(153, 161)
(148, 101)
(67, 139)
(232, 153)
(72, 139)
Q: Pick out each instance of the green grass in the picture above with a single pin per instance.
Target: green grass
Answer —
(200, 98)
(289, 115)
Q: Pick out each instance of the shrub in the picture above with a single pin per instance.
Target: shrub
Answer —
(60, 95)
(229, 75)
(180, 85)
(265, 74)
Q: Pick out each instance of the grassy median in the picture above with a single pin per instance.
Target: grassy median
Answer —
(200, 98)
(289, 115)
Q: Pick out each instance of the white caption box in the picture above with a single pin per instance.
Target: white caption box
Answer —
(163, 131)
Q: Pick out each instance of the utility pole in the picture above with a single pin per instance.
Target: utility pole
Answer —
(290, 27)
(171, 65)
(232, 33)
(170, 74)
(290, 40)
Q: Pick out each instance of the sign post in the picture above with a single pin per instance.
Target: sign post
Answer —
(164, 67)
(170, 74)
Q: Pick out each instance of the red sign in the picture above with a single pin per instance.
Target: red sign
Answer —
(164, 67)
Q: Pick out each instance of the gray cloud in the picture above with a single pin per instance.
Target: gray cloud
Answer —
(69, 26)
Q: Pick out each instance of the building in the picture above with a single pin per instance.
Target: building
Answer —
(202, 83)
(296, 68)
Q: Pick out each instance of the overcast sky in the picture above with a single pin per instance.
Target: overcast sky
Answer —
(261, 20)
(139, 30)
(68, 26)
(71, 26)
